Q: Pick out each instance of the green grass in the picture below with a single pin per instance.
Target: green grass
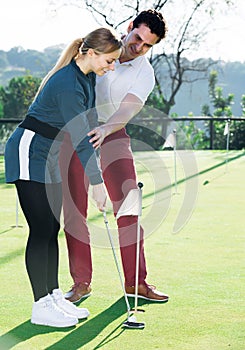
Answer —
(201, 266)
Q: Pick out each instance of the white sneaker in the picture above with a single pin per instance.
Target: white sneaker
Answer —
(68, 306)
(45, 312)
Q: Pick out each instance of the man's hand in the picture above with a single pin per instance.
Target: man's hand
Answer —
(129, 107)
(97, 136)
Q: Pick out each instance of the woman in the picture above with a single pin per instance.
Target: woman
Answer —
(31, 160)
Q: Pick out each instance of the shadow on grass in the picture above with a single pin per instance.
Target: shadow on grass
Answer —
(109, 337)
(24, 332)
(197, 174)
(91, 329)
(7, 258)
(77, 337)
(165, 188)
(2, 178)
(10, 229)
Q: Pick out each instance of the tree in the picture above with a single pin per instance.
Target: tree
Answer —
(189, 22)
(222, 108)
(188, 27)
(237, 130)
(187, 30)
(243, 105)
(18, 95)
(221, 104)
(1, 110)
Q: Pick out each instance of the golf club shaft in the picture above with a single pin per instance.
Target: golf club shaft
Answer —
(138, 251)
(116, 261)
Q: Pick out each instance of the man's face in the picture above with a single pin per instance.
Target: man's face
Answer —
(138, 42)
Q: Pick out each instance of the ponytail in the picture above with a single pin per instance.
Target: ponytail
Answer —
(66, 57)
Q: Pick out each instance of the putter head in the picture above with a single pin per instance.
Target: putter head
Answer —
(133, 324)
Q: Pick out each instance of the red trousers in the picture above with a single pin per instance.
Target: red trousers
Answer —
(120, 177)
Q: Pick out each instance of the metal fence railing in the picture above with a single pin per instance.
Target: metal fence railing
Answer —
(206, 123)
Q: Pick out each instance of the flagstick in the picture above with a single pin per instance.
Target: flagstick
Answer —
(16, 212)
(171, 142)
(227, 144)
(175, 168)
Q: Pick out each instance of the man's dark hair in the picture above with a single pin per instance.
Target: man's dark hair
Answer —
(154, 20)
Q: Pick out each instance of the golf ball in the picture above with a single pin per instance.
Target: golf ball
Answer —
(132, 319)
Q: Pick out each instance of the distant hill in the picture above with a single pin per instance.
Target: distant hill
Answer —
(231, 78)
(191, 97)
(18, 62)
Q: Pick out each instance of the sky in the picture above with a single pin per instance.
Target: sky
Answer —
(33, 24)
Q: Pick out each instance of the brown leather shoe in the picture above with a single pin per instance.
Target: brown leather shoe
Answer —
(78, 292)
(148, 292)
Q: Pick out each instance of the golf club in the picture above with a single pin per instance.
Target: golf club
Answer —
(140, 185)
(131, 319)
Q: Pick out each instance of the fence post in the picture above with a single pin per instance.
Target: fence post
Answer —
(211, 132)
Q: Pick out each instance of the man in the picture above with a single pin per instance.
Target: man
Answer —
(119, 97)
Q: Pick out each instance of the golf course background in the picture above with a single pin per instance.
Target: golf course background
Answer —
(201, 266)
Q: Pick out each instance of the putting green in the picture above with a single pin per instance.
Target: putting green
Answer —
(201, 266)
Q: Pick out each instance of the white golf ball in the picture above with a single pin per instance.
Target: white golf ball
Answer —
(132, 319)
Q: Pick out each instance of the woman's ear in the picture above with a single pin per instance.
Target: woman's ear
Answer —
(90, 52)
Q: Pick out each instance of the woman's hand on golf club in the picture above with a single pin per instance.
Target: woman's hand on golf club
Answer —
(99, 195)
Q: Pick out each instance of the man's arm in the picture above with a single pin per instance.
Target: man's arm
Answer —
(129, 107)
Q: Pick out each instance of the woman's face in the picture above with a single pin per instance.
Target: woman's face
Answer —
(102, 63)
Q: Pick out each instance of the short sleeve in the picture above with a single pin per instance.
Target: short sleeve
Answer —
(144, 83)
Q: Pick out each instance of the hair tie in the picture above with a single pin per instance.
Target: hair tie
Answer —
(83, 49)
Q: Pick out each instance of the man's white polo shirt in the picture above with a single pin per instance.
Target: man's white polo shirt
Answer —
(135, 77)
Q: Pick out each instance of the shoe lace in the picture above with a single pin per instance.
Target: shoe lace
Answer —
(57, 307)
(73, 287)
(47, 303)
(77, 286)
(50, 304)
(150, 287)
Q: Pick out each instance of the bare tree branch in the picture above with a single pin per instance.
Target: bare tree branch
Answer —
(188, 22)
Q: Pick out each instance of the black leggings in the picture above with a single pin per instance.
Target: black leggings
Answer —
(41, 205)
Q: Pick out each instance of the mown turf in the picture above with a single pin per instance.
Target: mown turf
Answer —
(201, 266)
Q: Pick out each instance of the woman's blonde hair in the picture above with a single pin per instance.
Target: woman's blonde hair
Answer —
(101, 40)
